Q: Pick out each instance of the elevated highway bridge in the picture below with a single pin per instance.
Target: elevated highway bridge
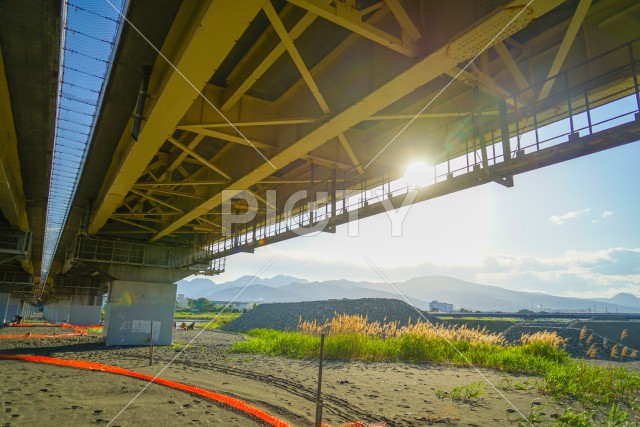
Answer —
(219, 110)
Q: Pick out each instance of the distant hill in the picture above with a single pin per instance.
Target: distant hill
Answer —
(624, 299)
(201, 287)
(419, 291)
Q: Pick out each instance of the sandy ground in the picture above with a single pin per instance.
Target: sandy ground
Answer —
(398, 394)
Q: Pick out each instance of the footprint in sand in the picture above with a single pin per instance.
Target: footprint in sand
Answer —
(44, 390)
(97, 411)
(171, 402)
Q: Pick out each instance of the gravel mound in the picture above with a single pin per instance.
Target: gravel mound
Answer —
(573, 345)
(285, 316)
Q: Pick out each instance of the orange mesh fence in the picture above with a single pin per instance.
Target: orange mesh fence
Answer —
(93, 366)
(52, 325)
(44, 325)
(71, 325)
(30, 335)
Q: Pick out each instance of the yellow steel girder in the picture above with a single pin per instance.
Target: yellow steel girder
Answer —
(511, 18)
(176, 85)
(12, 200)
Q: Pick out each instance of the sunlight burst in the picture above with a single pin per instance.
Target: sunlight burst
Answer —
(418, 174)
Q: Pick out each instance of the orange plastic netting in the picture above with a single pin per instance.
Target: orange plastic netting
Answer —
(93, 366)
(51, 325)
(30, 335)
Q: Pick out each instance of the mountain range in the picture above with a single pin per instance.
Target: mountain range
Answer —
(419, 291)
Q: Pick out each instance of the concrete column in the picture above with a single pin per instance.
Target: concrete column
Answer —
(85, 310)
(132, 309)
(64, 307)
(13, 307)
(4, 306)
(46, 312)
(21, 307)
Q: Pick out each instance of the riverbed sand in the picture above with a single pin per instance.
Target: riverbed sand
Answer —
(397, 394)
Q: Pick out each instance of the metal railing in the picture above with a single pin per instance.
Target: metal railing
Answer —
(15, 278)
(14, 241)
(110, 251)
(524, 124)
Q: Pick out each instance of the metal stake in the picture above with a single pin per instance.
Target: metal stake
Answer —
(319, 395)
(151, 346)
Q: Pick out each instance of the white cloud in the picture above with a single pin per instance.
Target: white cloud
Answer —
(561, 219)
(603, 215)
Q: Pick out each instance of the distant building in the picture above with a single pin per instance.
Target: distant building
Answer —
(440, 306)
(182, 301)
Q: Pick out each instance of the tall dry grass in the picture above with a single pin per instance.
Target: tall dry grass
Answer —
(342, 324)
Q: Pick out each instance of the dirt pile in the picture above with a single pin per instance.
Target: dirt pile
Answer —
(286, 316)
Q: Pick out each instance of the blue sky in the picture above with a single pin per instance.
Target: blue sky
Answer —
(569, 229)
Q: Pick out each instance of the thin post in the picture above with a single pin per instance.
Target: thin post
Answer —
(311, 195)
(587, 108)
(569, 105)
(333, 193)
(151, 346)
(481, 136)
(319, 403)
(517, 115)
(535, 127)
(635, 75)
(504, 131)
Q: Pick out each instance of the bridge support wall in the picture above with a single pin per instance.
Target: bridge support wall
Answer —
(4, 307)
(85, 310)
(58, 312)
(14, 306)
(135, 308)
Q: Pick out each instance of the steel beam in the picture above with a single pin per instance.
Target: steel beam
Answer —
(422, 72)
(274, 122)
(222, 21)
(12, 200)
(409, 30)
(231, 138)
(349, 150)
(511, 65)
(295, 56)
(565, 46)
(238, 89)
(351, 20)
(198, 157)
(183, 154)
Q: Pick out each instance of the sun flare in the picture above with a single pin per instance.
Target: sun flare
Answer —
(418, 174)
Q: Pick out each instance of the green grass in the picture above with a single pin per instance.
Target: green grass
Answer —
(563, 378)
(198, 316)
(405, 348)
(221, 317)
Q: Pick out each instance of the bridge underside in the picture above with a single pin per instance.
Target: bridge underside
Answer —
(335, 98)
(305, 95)
(29, 43)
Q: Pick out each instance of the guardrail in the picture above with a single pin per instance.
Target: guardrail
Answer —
(499, 133)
